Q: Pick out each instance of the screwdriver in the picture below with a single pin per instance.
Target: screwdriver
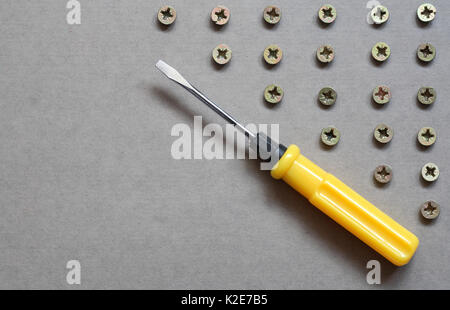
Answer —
(322, 189)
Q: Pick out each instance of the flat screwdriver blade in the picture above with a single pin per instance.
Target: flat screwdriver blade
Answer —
(175, 76)
(172, 74)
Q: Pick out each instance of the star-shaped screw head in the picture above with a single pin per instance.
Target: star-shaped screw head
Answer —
(220, 15)
(381, 94)
(379, 14)
(381, 51)
(167, 15)
(426, 12)
(430, 172)
(430, 210)
(325, 54)
(327, 96)
(426, 136)
(272, 14)
(327, 14)
(330, 136)
(383, 133)
(273, 54)
(383, 174)
(221, 54)
(426, 52)
(273, 94)
(426, 95)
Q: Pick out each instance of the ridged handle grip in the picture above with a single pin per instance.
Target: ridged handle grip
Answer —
(346, 207)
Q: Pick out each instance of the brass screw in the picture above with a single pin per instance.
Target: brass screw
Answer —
(273, 54)
(325, 54)
(330, 136)
(383, 174)
(379, 14)
(167, 15)
(381, 51)
(220, 15)
(381, 94)
(327, 14)
(327, 96)
(383, 133)
(426, 136)
(426, 52)
(426, 12)
(272, 14)
(273, 94)
(430, 210)
(430, 172)
(221, 54)
(426, 95)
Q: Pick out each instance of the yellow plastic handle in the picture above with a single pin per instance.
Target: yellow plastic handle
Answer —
(346, 207)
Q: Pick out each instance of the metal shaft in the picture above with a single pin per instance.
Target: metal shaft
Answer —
(175, 76)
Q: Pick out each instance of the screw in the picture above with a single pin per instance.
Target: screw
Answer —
(426, 52)
(426, 136)
(426, 95)
(325, 54)
(167, 15)
(273, 93)
(426, 12)
(220, 15)
(272, 14)
(383, 133)
(381, 94)
(330, 136)
(221, 54)
(273, 54)
(379, 14)
(383, 174)
(430, 172)
(430, 210)
(327, 14)
(381, 51)
(327, 96)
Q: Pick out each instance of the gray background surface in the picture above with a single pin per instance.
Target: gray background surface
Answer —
(86, 171)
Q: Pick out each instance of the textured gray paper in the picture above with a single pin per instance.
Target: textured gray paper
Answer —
(86, 171)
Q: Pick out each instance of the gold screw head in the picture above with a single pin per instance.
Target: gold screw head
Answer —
(330, 136)
(273, 54)
(167, 15)
(327, 14)
(379, 14)
(427, 136)
(430, 172)
(426, 12)
(426, 95)
(381, 51)
(327, 96)
(383, 133)
(325, 54)
(272, 14)
(426, 52)
(273, 94)
(430, 210)
(221, 54)
(383, 174)
(381, 94)
(220, 15)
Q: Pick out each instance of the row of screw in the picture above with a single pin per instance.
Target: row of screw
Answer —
(383, 173)
(273, 54)
(382, 133)
(327, 96)
(220, 15)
